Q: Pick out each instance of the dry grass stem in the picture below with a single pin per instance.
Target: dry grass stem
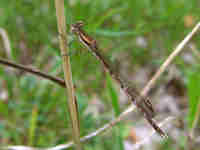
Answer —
(72, 104)
(6, 42)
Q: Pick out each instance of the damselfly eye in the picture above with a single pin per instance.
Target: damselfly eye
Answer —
(79, 24)
(75, 27)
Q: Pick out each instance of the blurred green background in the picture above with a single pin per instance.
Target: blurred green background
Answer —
(133, 34)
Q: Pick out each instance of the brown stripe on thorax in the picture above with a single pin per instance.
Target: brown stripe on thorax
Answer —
(86, 38)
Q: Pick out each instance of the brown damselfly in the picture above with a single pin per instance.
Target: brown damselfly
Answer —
(143, 103)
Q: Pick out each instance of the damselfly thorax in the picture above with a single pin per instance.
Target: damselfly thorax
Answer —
(83, 37)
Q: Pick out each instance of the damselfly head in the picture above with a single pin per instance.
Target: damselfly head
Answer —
(76, 26)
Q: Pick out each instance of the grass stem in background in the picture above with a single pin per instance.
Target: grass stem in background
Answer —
(72, 104)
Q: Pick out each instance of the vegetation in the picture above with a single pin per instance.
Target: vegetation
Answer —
(135, 35)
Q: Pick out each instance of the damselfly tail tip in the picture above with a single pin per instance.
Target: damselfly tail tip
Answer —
(161, 132)
(164, 135)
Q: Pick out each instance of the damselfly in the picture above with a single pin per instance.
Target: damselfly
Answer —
(143, 103)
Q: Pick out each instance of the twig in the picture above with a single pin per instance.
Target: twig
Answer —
(72, 104)
(33, 71)
(19, 147)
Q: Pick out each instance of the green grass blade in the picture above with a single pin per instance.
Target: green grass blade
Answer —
(113, 95)
(33, 125)
(116, 106)
(194, 97)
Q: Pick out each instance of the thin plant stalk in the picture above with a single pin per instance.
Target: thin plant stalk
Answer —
(32, 71)
(72, 104)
